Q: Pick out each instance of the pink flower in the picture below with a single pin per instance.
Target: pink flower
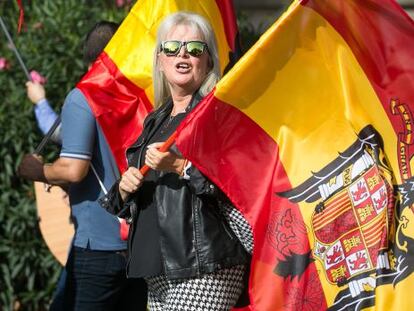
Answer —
(119, 3)
(37, 77)
(4, 64)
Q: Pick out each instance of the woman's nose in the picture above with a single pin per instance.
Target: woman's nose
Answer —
(183, 51)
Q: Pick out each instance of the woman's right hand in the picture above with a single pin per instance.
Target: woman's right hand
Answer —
(130, 182)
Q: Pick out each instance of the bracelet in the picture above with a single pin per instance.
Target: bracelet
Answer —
(182, 171)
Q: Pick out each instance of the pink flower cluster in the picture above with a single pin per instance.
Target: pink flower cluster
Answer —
(121, 3)
(4, 64)
(37, 77)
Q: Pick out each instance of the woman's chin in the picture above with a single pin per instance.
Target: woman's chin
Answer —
(189, 85)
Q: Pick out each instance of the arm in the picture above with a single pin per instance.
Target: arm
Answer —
(78, 137)
(60, 172)
(45, 115)
(66, 170)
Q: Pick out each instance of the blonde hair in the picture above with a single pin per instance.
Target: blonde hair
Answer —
(202, 26)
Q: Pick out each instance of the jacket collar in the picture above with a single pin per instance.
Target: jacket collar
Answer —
(155, 118)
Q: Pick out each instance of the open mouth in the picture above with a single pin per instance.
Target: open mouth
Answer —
(183, 66)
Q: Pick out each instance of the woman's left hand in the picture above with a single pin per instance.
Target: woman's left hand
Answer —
(163, 161)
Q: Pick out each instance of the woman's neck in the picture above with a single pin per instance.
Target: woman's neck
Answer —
(180, 102)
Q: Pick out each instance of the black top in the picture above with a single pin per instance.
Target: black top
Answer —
(147, 260)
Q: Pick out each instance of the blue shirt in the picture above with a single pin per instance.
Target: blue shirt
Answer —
(45, 116)
(82, 138)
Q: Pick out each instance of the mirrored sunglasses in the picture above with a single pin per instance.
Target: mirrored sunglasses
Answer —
(173, 47)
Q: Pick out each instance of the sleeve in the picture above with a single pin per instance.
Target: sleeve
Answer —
(114, 205)
(202, 186)
(78, 127)
(236, 220)
(45, 115)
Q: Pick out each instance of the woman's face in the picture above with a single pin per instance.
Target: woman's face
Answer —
(183, 71)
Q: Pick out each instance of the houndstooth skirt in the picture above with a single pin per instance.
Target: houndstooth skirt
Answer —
(217, 291)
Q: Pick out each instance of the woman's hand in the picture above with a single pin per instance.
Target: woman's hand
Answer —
(163, 161)
(130, 182)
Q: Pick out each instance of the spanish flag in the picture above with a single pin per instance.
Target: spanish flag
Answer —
(311, 137)
(118, 87)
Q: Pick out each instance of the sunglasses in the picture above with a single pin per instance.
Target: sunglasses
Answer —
(173, 47)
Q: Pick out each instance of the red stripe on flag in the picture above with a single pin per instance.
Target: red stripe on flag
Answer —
(21, 16)
(242, 159)
(229, 20)
(119, 105)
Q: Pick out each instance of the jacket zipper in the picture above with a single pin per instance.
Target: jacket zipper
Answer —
(195, 233)
(130, 234)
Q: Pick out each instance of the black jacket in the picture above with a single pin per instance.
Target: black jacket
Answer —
(195, 238)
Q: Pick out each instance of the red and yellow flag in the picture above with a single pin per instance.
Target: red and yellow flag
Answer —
(311, 137)
(118, 87)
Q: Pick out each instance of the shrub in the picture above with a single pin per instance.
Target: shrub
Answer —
(51, 43)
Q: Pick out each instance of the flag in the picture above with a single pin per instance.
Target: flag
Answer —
(311, 137)
(21, 16)
(118, 87)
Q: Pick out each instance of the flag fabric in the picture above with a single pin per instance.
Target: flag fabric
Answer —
(118, 87)
(21, 16)
(311, 137)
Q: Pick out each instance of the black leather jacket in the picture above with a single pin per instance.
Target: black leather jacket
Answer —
(195, 238)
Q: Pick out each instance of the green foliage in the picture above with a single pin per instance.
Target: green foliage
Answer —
(248, 33)
(51, 43)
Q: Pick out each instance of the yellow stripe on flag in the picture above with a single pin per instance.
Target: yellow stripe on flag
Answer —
(307, 84)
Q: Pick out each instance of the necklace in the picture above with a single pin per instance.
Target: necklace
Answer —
(170, 119)
(175, 113)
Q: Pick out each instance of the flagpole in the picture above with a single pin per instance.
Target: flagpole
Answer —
(14, 49)
(168, 143)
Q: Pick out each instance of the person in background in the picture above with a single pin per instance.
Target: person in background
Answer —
(180, 241)
(45, 117)
(96, 278)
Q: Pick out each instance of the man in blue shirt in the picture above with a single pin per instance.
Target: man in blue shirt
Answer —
(96, 264)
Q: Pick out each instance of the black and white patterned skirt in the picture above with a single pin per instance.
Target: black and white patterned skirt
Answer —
(217, 291)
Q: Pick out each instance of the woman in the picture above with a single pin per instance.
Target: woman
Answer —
(180, 241)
